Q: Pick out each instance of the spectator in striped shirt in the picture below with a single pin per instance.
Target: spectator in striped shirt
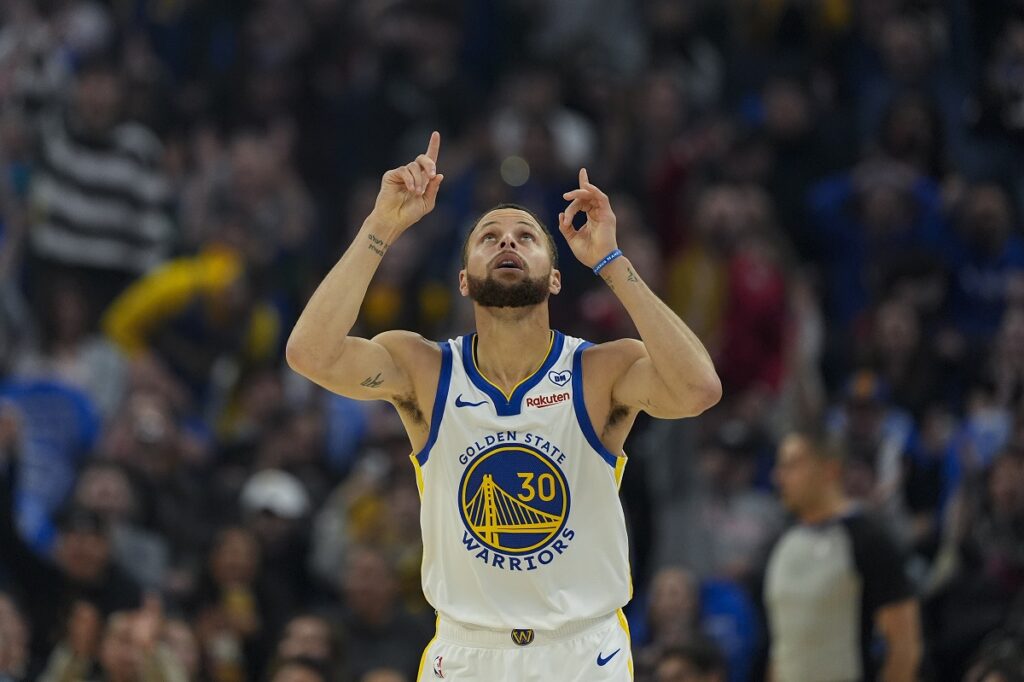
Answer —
(99, 202)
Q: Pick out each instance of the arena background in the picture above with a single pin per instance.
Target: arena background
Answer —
(829, 192)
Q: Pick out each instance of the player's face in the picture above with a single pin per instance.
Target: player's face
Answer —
(798, 473)
(507, 262)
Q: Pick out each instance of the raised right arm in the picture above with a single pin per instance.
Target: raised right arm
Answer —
(320, 347)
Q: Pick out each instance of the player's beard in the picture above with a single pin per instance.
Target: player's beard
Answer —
(490, 293)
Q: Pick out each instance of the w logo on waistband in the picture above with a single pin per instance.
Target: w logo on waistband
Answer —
(522, 637)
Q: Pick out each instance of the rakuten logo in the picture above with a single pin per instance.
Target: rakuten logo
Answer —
(547, 400)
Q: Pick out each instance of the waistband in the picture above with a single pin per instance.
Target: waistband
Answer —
(509, 638)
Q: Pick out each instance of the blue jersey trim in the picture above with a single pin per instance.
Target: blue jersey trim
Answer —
(440, 398)
(511, 405)
(580, 407)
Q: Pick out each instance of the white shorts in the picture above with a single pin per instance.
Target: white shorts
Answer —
(597, 650)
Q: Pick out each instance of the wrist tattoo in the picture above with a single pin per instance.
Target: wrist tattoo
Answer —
(608, 280)
(377, 245)
(372, 382)
(631, 276)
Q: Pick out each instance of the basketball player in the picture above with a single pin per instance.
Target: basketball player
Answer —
(517, 431)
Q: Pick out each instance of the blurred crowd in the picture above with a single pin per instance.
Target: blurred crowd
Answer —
(829, 193)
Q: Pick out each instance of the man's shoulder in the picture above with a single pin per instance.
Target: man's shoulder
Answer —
(414, 352)
(872, 540)
(869, 531)
(405, 341)
(624, 350)
(604, 363)
(859, 521)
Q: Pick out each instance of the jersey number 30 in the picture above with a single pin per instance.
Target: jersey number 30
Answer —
(545, 488)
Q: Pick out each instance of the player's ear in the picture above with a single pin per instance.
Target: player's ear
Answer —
(463, 283)
(555, 281)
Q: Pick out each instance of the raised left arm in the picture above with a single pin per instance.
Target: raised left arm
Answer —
(673, 375)
(670, 374)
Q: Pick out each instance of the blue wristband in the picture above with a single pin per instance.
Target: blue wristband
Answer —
(606, 260)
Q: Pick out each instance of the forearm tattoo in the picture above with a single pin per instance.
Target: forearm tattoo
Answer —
(377, 245)
(631, 277)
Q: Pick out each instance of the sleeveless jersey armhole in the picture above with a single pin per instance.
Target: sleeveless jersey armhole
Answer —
(440, 398)
(580, 408)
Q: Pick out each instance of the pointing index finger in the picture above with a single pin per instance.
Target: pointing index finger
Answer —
(434, 146)
(586, 184)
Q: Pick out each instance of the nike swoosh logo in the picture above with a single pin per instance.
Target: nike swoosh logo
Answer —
(459, 402)
(604, 661)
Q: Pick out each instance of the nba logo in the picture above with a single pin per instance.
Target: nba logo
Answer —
(437, 667)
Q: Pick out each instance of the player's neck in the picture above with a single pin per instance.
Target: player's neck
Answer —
(511, 345)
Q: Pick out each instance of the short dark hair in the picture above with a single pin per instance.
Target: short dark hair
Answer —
(552, 247)
(822, 444)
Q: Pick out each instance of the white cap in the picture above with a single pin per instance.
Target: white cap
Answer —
(275, 491)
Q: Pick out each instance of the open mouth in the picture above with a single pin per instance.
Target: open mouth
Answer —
(508, 262)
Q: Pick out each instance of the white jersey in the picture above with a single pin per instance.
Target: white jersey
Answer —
(522, 525)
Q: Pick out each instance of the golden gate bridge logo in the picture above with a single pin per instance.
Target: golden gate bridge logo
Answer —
(492, 512)
(514, 499)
